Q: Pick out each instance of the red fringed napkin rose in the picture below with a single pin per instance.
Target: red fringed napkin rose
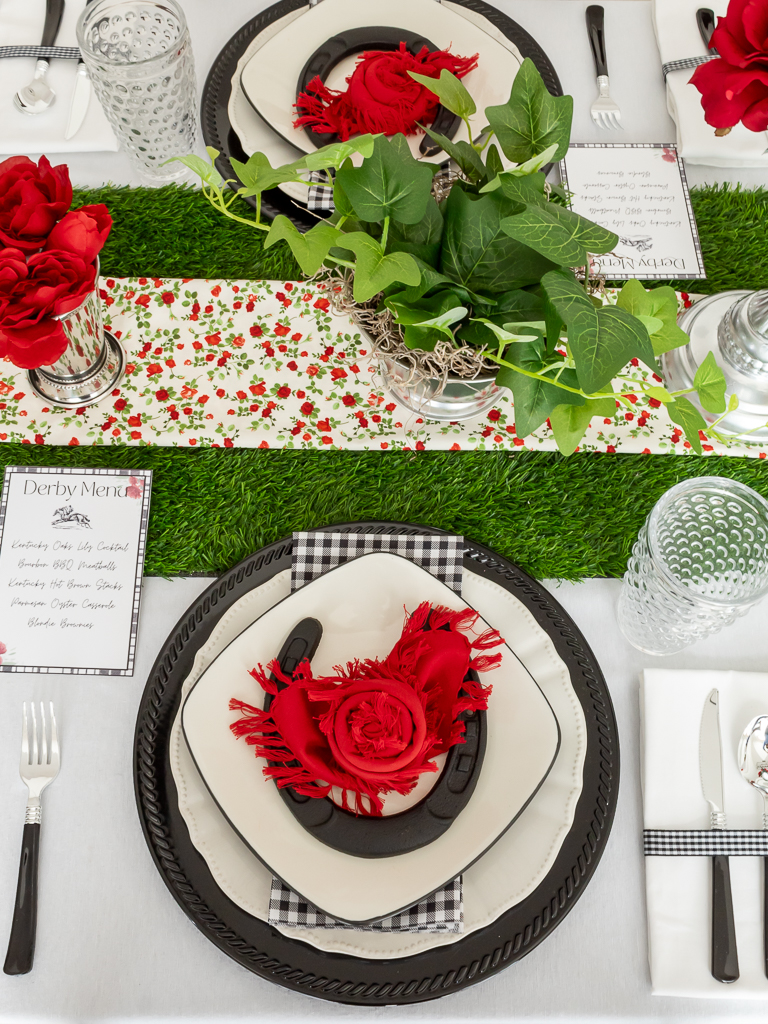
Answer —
(735, 87)
(47, 264)
(377, 725)
(381, 97)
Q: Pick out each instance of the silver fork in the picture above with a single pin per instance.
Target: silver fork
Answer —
(38, 766)
(605, 111)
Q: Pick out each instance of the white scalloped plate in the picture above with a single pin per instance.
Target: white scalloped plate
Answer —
(360, 605)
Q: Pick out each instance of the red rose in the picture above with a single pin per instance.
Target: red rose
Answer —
(32, 198)
(735, 87)
(283, 392)
(82, 232)
(56, 283)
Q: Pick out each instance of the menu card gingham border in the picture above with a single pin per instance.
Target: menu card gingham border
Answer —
(146, 476)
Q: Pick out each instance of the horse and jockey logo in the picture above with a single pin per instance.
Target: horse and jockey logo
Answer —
(70, 520)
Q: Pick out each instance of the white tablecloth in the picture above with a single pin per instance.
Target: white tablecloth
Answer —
(558, 25)
(114, 946)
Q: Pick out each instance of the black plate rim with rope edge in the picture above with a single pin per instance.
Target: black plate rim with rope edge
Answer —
(292, 963)
(214, 116)
(390, 836)
(395, 833)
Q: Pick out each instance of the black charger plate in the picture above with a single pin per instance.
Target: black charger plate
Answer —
(214, 116)
(348, 979)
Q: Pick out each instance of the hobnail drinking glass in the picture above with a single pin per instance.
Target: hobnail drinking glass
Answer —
(700, 561)
(139, 59)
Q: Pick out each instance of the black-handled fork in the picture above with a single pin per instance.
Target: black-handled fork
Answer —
(38, 766)
(605, 111)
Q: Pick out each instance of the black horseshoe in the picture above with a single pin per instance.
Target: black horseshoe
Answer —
(388, 836)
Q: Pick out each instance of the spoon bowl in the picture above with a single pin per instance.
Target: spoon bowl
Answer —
(753, 759)
(38, 95)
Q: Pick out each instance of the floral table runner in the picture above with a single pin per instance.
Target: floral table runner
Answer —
(266, 364)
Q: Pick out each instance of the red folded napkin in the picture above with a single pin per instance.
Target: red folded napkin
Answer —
(377, 725)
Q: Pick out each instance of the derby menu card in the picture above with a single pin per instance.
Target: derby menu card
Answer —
(639, 191)
(71, 560)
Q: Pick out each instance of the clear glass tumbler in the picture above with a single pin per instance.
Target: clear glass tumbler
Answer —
(139, 59)
(700, 561)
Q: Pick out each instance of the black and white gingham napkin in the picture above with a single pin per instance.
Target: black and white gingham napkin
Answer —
(443, 911)
(315, 552)
(320, 192)
(705, 843)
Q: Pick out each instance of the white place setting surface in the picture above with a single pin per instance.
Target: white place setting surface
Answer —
(558, 26)
(113, 945)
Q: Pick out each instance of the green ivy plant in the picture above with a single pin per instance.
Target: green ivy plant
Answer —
(492, 265)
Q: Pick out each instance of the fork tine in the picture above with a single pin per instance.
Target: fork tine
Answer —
(24, 735)
(44, 736)
(54, 738)
(35, 759)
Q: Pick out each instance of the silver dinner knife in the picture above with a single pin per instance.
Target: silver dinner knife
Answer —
(80, 99)
(725, 959)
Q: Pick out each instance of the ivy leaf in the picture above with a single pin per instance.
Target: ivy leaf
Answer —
(336, 153)
(603, 341)
(450, 91)
(559, 234)
(207, 172)
(506, 335)
(531, 120)
(660, 303)
(710, 385)
(652, 324)
(477, 253)
(469, 160)
(528, 190)
(493, 164)
(421, 239)
(660, 394)
(375, 270)
(566, 294)
(389, 184)
(426, 323)
(258, 175)
(687, 416)
(569, 422)
(536, 162)
(311, 248)
(535, 400)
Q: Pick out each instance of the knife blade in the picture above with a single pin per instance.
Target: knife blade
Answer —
(81, 97)
(725, 960)
(705, 19)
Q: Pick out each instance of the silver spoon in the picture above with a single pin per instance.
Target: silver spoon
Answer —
(38, 95)
(753, 762)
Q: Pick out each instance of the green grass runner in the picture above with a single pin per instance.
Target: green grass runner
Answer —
(556, 517)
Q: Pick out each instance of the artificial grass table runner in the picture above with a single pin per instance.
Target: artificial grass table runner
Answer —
(556, 517)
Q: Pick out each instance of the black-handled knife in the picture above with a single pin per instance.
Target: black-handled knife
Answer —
(596, 32)
(725, 958)
(705, 19)
(54, 11)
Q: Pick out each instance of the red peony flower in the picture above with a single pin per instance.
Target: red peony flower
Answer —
(381, 96)
(735, 87)
(32, 198)
(82, 232)
(378, 725)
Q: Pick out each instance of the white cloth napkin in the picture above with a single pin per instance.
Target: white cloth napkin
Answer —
(21, 23)
(679, 889)
(677, 35)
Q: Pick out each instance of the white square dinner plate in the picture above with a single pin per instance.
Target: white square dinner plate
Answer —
(361, 607)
